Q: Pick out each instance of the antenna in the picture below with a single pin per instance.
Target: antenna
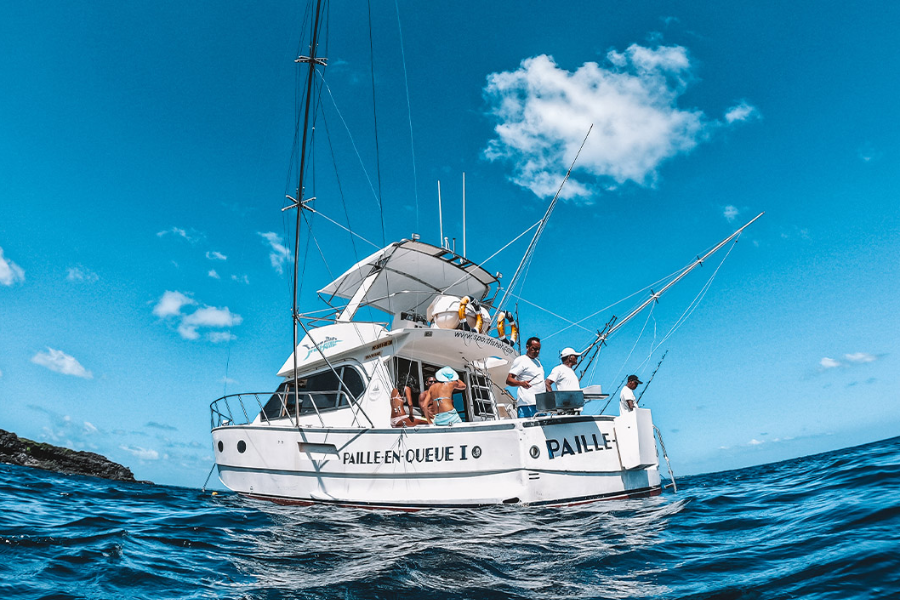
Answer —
(440, 215)
(464, 213)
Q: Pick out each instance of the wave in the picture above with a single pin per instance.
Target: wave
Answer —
(823, 526)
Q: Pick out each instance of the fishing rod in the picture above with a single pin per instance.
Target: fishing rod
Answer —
(652, 375)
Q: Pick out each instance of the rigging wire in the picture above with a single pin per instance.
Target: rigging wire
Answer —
(485, 261)
(692, 306)
(340, 188)
(412, 144)
(640, 335)
(352, 141)
(375, 123)
(350, 231)
(697, 300)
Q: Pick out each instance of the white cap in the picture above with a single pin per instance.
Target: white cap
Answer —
(568, 352)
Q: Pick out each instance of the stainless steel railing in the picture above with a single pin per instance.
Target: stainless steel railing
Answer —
(233, 408)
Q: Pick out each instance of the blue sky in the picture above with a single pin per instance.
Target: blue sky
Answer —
(145, 154)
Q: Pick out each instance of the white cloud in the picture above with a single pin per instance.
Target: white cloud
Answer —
(60, 362)
(543, 113)
(141, 453)
(216, 256)
(212, 273)
(241, 279)
(860, 357)
(190, 235)
(279, 253)
(228, 381)
(829, 363)
(171, 303)
(856, 358)
(868, 153)
(754, 442)
(221, 336)
(207, 316)
(10, 272)
(731, 213)
(80, 273)
(742, 112)
(1, 373)
(89, 428)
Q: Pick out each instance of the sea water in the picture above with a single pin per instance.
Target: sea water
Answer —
(824, 526)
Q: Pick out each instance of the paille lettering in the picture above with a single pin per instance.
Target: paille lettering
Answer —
(580, 444)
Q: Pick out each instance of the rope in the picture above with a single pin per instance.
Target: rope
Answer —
(203, 489)
(666, 456)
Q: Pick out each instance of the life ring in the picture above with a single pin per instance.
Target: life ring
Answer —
(502, 318)
(462, 306)
(466, 303)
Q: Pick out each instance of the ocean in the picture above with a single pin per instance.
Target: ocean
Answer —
(822, 527)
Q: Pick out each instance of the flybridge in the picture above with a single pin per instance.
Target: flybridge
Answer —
(405, 277)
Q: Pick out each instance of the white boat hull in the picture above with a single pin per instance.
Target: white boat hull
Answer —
(553, 460)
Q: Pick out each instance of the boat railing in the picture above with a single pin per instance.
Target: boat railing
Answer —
(245, 408)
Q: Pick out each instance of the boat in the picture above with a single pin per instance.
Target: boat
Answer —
(325, 435)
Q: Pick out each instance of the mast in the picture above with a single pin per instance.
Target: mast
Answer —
(299, 205)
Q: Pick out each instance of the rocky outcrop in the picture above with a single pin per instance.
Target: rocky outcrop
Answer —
(20, 451)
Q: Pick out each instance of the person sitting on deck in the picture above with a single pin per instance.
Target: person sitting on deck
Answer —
(563, 375)
(402, 404)
(440, 396)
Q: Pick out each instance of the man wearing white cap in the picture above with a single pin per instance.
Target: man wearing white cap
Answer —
(563, 375)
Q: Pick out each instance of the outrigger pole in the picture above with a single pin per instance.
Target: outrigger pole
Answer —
(654, 296)
(529, 252)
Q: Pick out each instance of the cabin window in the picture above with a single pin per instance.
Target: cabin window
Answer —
(407, 372)
(322, 391)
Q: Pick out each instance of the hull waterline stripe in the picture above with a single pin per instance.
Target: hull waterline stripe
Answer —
(632, 494)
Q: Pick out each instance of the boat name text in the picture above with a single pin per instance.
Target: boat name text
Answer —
(411, 455)
(581, 445)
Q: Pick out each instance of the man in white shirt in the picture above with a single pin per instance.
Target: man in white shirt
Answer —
(627, 403)
(563, 375)
(527, 374)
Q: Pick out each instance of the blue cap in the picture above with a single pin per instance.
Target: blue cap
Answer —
(446, 374)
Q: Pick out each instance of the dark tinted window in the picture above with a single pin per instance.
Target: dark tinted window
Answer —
(324, 389)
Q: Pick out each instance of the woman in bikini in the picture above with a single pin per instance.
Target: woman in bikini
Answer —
(441, 396)
(402, 404)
